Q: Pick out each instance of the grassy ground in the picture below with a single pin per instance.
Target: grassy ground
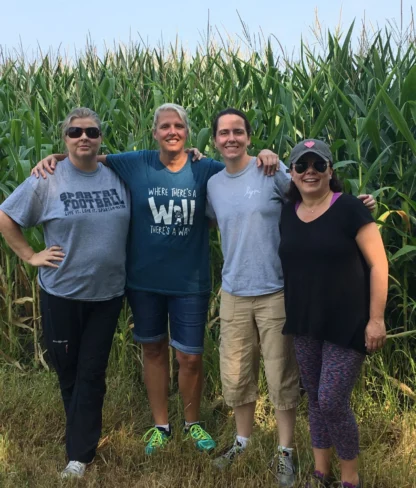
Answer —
(32, 441)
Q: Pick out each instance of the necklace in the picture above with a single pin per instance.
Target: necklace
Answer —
(312, 210)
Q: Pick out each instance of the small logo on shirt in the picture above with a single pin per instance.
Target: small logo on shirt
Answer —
(249, 192)
(178, 216)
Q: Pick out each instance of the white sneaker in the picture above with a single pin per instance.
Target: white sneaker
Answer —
(227, 458)
(74, 469)
(284, 469)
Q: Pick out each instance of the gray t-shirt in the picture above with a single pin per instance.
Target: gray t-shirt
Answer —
(247, 207)
(87, 214)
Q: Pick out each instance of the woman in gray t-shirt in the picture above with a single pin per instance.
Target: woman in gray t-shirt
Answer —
(85, 214)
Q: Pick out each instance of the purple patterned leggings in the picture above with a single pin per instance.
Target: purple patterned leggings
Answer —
(328, 375)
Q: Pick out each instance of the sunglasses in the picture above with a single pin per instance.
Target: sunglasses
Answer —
(319, 165)
(90, 132)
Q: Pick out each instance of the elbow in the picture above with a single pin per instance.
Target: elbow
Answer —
(5, 222)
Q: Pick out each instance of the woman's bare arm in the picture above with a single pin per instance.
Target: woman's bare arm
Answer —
(371, 245)
(48, 164)
(14, 237)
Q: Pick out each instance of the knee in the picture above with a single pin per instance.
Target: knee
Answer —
(92, 373)
(330, 405)
(189, 363)
(155, 351)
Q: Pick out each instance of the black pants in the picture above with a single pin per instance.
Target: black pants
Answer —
(78, 336)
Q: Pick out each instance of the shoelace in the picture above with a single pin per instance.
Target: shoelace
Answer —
(232, 452)
(154, 437)
(198, 433)
(281, 468)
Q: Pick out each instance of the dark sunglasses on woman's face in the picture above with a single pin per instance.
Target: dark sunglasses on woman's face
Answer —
(90, 132)
(319, 165)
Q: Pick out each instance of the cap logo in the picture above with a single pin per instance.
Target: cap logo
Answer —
(309, 144)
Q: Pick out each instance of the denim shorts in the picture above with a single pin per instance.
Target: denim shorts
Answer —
(186, 315)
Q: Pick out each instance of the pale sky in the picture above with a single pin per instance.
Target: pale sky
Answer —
(54, 24)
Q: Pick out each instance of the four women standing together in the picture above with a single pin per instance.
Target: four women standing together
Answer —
(167, 276)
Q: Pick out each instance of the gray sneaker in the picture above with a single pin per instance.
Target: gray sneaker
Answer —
(221, 462)
(283, 469)
(74, 469)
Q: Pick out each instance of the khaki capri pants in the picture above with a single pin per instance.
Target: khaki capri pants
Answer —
(248, 325)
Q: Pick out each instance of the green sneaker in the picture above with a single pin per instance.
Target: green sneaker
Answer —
(156, 438)
(202, 440)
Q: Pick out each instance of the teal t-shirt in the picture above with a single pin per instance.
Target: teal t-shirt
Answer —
(168, 246)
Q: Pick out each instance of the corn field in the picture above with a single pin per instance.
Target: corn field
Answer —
(362, 102)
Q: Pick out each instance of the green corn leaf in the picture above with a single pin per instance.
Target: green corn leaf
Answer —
(37, 134)
(343, 164)
(324, 115)
(399, 121)
(203, 138)
(403, 252)
(408, 92)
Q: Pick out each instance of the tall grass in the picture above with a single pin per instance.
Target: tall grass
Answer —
(32, 450)
(362, 102)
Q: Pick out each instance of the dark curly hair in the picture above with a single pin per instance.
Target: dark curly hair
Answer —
(293, 194)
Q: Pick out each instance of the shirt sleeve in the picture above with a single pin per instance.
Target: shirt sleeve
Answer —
(126, 164)
(358, 215)
(209, 210)
(281, 181)
(215, 167)
(25, 204)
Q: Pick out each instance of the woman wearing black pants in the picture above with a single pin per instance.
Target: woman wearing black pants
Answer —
(85, 213)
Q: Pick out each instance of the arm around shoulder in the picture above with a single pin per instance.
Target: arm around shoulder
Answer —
(102, 158)
(126, 164)
(47, 165)
(282, 180)
(269, 160)
(369, 201)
